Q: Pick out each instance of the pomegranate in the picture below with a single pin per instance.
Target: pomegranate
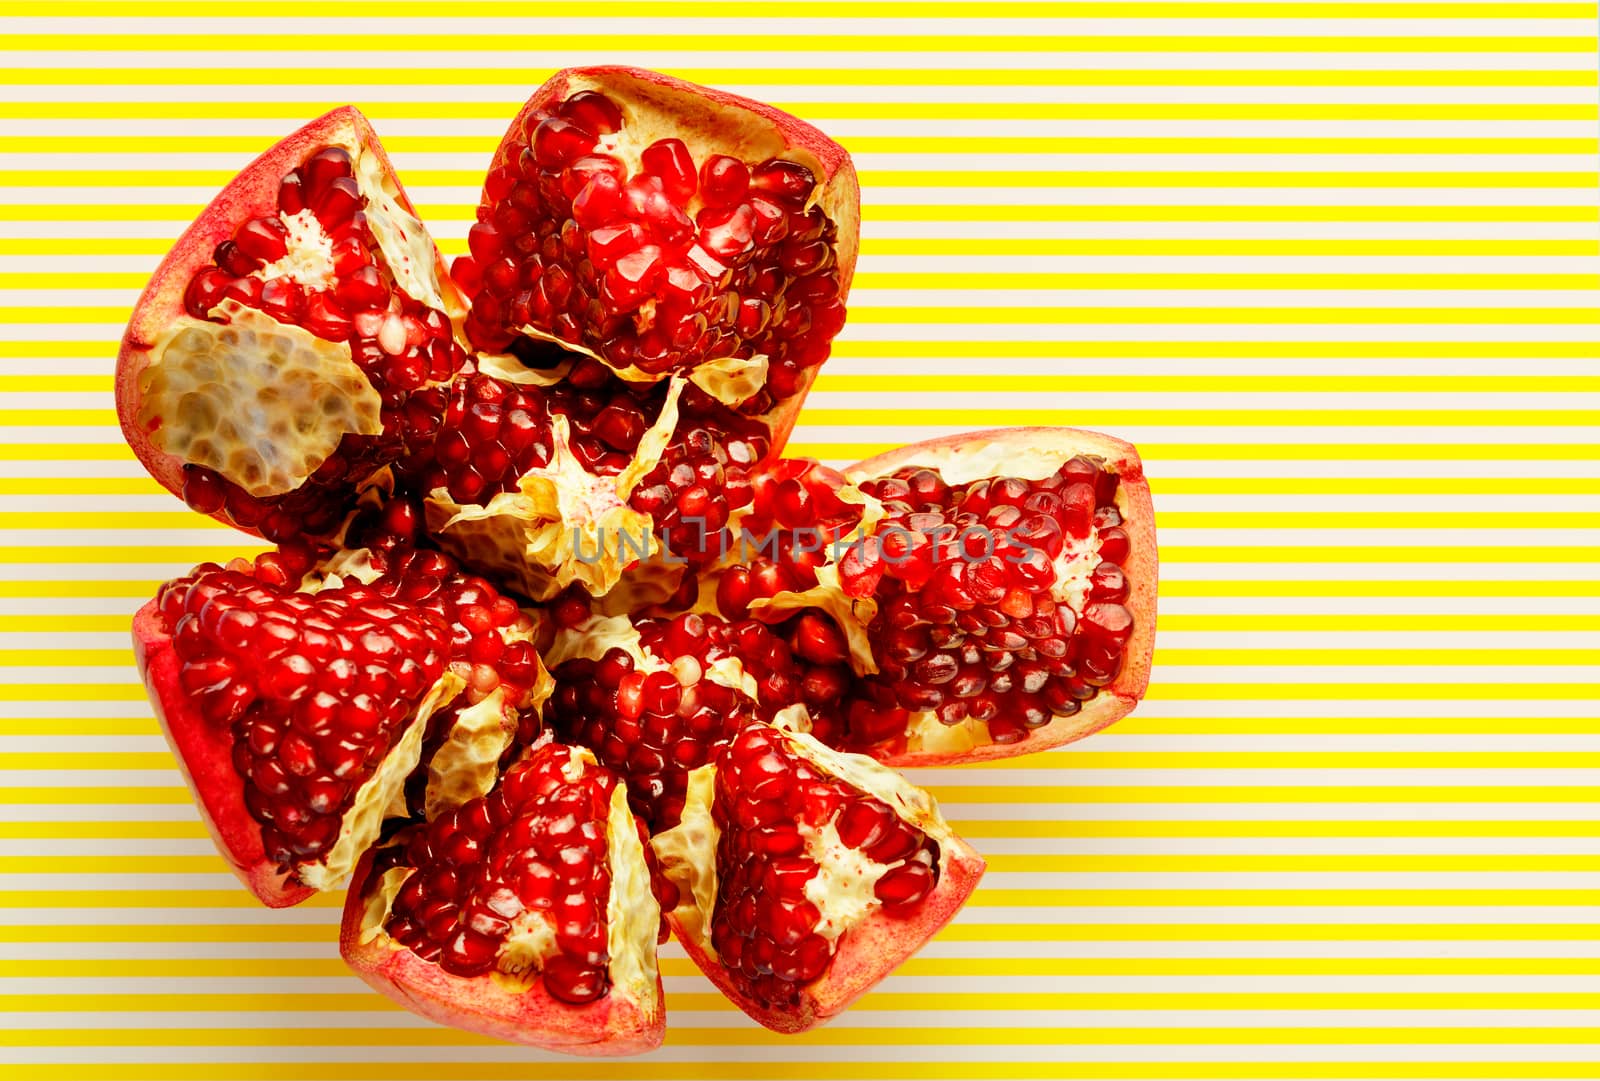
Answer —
(526, 914)
(805, 875)
(995, 592)
(294, 340)
(511, 668)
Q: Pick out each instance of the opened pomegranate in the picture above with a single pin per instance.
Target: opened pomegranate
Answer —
(804, 875)
(995, 592)
(525, 914)
(560, 454)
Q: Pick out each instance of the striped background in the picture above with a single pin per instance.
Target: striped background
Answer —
(1332, 265)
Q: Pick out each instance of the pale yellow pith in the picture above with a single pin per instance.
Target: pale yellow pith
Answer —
(563, 524)
(260, 402)
(687, 854)
(467, 763)
(378, 794)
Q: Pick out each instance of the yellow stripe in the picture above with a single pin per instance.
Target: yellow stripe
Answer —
(506, 105)
(200, 142)
(1261, 1070)
(939, 9)
(852, 1036)
(522, 79)
(941, 212)
(201, 45)
(923, 967)
(1111, 419)
(1166, 178)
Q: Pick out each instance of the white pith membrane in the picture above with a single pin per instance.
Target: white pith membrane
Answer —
(650, 113)
(632, 915)
(563, 524)
(377, 795)
(261, 403)
(308, 258)
(842, 889)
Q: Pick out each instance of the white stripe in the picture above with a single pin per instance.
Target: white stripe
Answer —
(966, 157)
(974, 28)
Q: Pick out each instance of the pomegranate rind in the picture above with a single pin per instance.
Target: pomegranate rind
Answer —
(251, 194)
(869, 949)
(205, 758)
(1033, 453)
(716, 121)
(620, 1023)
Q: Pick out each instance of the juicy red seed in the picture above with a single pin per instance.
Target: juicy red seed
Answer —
(363, 290)
(600, 201)
(724, 181)
(324, 167)
(337, 203)
(266, 239)
(670, 160)
(592, 111)
(785, 182)
(557, 141)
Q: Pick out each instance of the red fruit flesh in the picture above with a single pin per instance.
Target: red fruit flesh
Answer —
(657, 716)
(659, 225)
(829, 873)
(503, 921)
(985, 615)
(295, 236)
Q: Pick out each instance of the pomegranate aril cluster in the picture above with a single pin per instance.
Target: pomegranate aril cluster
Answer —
(975, 619)
(769, 802)
(315, 689)
(535, 848)
(679, 263)
(796, 518)
(654, 723)
(404, 347)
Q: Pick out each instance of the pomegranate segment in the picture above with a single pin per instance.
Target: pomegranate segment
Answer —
(805, 876)
(996, 595)
(300, 694)
(293, 341)
(662, 227)
(526, 914)
(1016, 607)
